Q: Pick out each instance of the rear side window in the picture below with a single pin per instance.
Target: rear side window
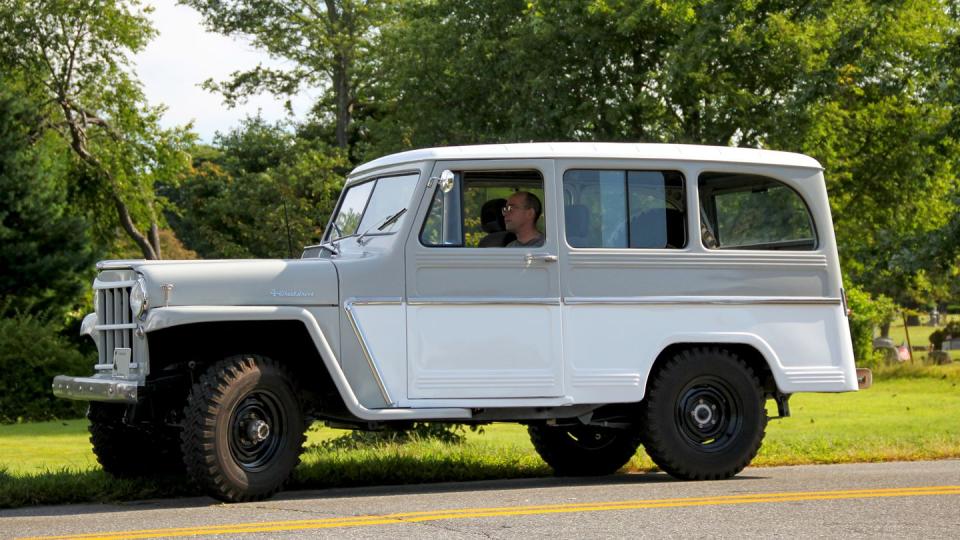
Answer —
(624, 209)
(740, 211)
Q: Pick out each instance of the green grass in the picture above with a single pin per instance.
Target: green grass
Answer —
(909, 414)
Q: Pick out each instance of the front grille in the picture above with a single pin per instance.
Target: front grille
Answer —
(114, 321)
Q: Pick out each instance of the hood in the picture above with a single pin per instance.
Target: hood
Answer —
(262, 282)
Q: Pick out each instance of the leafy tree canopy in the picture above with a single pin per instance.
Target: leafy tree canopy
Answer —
(259, 191)
(74, 56)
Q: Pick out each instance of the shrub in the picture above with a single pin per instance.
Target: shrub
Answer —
(952, 329)
(31, 353)
(866, 314)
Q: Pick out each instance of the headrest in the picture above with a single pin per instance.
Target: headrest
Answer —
(491, 216)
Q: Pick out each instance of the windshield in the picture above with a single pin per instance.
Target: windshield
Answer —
(363, 212)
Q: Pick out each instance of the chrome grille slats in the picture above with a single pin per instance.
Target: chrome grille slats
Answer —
(125, 319)
(113, 309)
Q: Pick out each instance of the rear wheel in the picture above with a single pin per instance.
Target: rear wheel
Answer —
(132, 450)
(584, 450)
(704, 415)
(243, 428)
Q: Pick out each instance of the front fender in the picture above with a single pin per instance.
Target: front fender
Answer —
(160, 318)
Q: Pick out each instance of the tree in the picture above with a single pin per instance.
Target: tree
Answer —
(327, 46)
(867, 88)
(881, 121)
(74, 54)
(292, 180)
(45, 249)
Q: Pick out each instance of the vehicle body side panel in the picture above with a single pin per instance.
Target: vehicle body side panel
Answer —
(622, 307)
(611, 348)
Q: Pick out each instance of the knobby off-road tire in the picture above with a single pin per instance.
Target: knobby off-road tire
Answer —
(584, 450)
(131, 451)
(243, 428)
(704, 415)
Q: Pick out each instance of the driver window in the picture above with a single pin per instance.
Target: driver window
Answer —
(487, 209)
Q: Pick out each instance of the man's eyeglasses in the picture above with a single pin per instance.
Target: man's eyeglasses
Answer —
(511, 207)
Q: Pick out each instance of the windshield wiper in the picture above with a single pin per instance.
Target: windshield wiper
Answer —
(390, 220)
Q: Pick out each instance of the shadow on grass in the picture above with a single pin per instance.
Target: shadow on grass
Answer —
(323, 475)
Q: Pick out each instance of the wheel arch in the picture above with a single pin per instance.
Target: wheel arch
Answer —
(757, 354)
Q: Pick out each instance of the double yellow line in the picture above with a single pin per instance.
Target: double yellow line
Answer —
(463, 513)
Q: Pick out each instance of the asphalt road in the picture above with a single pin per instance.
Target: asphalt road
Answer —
(891, 500)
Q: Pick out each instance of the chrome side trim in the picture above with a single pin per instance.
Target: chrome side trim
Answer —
(702, 300)
(374, 368)
(492, 301)
(671, 258)
(376, 301)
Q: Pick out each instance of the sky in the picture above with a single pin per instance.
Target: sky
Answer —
(184, 55)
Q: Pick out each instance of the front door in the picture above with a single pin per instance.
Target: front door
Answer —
(483, 318)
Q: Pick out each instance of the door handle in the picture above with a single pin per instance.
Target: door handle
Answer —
(530, 258)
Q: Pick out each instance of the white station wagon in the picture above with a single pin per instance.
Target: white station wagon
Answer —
(669, 293)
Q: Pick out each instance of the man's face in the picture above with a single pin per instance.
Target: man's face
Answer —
(518, 214)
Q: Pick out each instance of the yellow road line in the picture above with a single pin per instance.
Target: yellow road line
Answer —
(463, 513)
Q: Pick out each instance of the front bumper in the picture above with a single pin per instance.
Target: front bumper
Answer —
(95, 389)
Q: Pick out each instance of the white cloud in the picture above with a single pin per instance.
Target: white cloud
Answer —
(184, 55)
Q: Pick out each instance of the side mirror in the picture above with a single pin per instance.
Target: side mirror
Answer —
(446, 181)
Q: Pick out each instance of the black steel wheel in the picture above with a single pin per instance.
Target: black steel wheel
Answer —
(584, 450)
(132, 450)
(704, 415)
(243, 428)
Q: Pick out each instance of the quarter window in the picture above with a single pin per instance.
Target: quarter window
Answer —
(740, 211)
(624, 209)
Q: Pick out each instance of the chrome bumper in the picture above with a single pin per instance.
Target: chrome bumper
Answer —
(93, 389)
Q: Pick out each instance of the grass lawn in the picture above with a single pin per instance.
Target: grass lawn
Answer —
(909, 414)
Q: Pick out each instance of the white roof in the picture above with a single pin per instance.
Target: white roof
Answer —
(562, 150)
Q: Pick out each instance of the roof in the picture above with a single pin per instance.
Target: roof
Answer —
(567, 150)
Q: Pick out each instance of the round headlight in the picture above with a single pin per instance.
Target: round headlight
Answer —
(138, 298)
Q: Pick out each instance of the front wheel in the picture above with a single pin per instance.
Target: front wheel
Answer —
(584, 450)
(243, 428)
(704, 415)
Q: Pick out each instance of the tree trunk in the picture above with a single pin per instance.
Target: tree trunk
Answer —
(78, 143)
(341, 90)
(885, 329)
(340, 21)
